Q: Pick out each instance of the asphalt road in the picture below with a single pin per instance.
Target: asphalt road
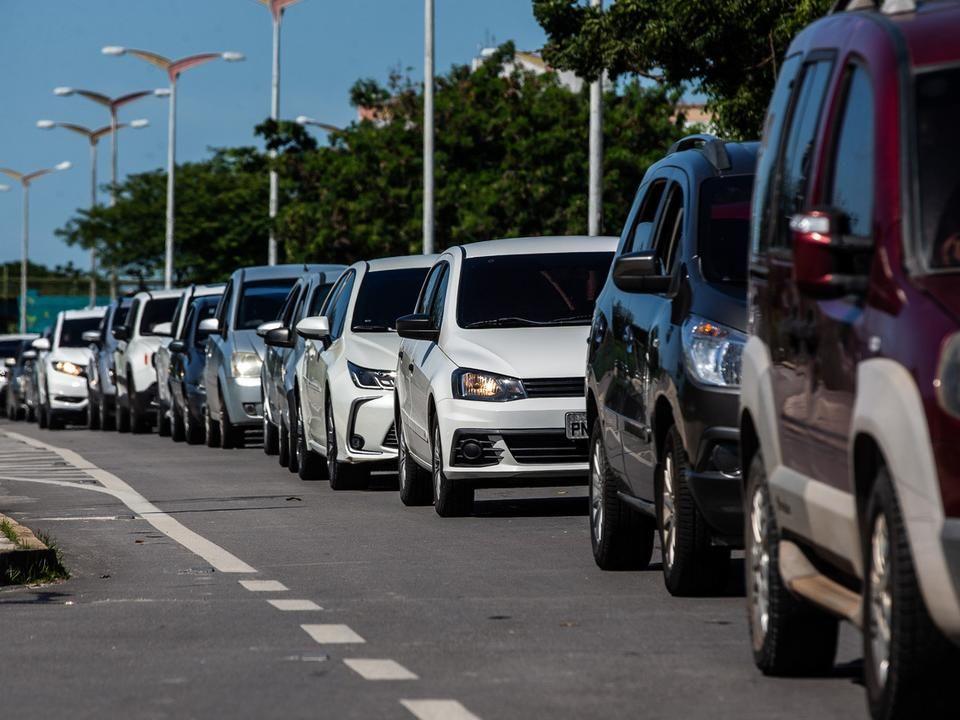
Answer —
(500, 615)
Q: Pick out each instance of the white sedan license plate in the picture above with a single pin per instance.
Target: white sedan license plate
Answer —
(577, 426)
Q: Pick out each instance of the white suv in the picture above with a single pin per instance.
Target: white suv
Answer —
(146, 326)
(62, 368)
(343, 398)
(490, 382)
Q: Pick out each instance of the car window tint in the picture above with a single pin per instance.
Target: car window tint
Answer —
(384, 296)
(188, 322)
(223, 307)
(670, 229)
(320, 294)
(439, 296)
(206, 308)
(723, 227)
(337, 312)
(426, 293)
(643, 224)
(768, 153)
(798, 149)
(261, 300)
(852, 182)
(178, 313)
(72, 330)
(120, 316)
(286, 312)
(132, 315)
(156, 312)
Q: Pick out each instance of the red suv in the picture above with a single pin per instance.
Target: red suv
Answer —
(850, 408)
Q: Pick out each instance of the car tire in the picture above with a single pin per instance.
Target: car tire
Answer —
(106, 419)
(54, 420)
(415, 486)
(211, 430)
(343, 476)
(177, 433)
(908, 664)
(164, 423)
(271, 435)
(310, 465)
(283, 444)
(42, 417)
(450, 499)
(138, 419)
(192, 430)
(621, 537)
(292, 463)
(691, 564)
(788, 635)
(93, 411)
(230, 435)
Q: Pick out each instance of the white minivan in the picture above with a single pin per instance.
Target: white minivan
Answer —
(490, 375)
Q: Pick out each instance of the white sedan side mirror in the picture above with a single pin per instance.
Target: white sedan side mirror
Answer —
(209, 325)
(314, 328)
(266, 327)
(91, 336)
(41, 344)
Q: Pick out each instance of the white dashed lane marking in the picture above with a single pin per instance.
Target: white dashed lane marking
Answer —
(438, 710)
(263, 585)
(332, 634)
(379, 669)
(295, 605)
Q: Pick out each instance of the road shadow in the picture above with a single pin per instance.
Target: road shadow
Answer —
(34, 597)
(533, 507)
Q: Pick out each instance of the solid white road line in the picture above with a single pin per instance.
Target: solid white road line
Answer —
(263, 585)
(219, 558)
(294, 605)
(379, 669)
(332, 634)
(438, 710)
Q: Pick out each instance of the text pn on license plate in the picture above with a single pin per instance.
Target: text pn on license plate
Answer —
(577, 426)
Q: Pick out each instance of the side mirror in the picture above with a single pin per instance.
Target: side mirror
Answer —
(208, 326)
(266, 327)
(41, 345)
(280, 337)
(91, 336)
(177, 347)
(10, 362)
(417, 327)
(827, 261)
(314, 328)
(29, 355)
(640, 272)
(121, 333)
(163, 328)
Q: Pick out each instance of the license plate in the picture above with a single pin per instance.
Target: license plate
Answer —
(577, 426)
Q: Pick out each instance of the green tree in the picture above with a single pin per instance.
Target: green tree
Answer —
(727, 49)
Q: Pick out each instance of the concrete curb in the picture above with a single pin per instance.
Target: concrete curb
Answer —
(24, 556)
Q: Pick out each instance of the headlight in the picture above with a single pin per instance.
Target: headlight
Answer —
(947, 382)
(68, 368)
(714, 352)
(473, 385)
(245, 364)
(373, 379)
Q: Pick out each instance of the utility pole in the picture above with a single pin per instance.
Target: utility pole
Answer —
(595, 192)
(429, 212)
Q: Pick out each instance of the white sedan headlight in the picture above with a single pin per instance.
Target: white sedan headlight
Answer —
(245, 364)
(474, 385)
(714, 352)
(372, 379)
(68, 368)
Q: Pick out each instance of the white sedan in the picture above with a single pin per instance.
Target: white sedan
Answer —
(343, 399)
(490, 382)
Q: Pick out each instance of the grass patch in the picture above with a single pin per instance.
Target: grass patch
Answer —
(7, 529)
(41, 568)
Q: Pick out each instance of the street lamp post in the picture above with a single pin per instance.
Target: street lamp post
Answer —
(276, 8)
(428, 132)
(25, 179)
(93, 136)
(305, 120)
(173, 68)
(595, 192)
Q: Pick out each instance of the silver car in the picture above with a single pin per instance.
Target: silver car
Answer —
(234, 352)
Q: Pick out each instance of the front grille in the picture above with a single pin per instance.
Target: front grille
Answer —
(390, 441)
(554, 387)
(545, 448)
(489, 455)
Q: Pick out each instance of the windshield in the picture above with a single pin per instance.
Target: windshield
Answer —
(8, 349)
(384, 296)
(938, 102)
(724, 228)
(156, 312)
(261, 302)
(71, 331)
(531, 290)
(120, 316)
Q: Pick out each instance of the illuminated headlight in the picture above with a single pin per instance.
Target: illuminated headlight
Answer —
(372, 379)
(245, 364)
(947, 382)
(473, 385)
(714, 352)
(68, 368)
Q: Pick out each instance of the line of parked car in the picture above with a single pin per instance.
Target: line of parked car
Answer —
(767, 359)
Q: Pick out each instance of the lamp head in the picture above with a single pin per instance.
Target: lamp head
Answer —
(233, 56)
(4, 188)
(65, 165)
(63, 91)
(140, 123)
(113, 50)
(302, 120)
(46, 124)
(162, 92)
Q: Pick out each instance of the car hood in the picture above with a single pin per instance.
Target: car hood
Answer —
(78, 356)
(529, 352)
(248, 341)
(374, 351)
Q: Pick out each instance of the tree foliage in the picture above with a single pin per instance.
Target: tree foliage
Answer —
(511, 160)
(728, 49)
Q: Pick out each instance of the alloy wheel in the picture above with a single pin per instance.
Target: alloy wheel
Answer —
(596, 493)
(881, 599)
(759, 564)
(668, 517)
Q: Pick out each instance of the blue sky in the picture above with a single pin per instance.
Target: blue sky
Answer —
(327, 45)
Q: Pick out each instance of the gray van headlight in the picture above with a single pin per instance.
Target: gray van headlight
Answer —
(714, 352)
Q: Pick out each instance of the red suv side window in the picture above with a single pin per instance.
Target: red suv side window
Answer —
(851, 184)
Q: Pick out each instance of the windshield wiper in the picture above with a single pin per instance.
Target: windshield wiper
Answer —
(527, 322)
(371, 328)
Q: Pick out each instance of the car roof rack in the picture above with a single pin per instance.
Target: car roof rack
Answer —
(713, 150)
(887, 7)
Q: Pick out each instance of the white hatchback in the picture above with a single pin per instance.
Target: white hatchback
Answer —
(343, 396)
(490, 381)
